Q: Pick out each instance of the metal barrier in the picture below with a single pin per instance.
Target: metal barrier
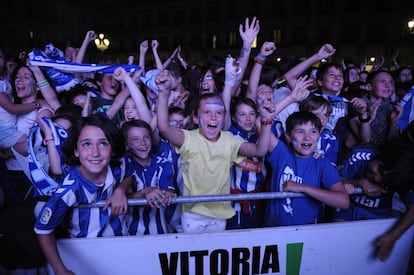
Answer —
(210, 198)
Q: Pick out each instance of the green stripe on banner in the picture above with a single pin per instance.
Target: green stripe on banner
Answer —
(293, 258)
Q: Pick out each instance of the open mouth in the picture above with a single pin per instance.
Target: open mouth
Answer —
(307, 145)
(142, 149)
(212, 124)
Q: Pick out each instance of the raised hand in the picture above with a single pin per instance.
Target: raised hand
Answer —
(120, 74)
(267, 48)
(154, 44)
(267, 110)
(90, 36)
(250, 31)
(163, 81)
(326, 51)
(300, 91)
(232, 71)
(143, 47)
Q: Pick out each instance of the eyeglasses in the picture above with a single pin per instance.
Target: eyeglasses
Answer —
(208, 77)
(176, 122)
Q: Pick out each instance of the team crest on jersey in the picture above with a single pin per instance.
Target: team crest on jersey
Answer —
(46, 214)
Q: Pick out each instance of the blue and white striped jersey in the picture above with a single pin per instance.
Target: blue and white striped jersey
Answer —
(75, 190)
(149, 220)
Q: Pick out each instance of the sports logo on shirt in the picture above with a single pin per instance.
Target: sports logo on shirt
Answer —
(46, 214)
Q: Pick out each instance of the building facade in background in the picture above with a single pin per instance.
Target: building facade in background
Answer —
(203, 28)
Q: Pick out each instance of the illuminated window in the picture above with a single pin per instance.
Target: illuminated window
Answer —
(232, 39)
(277, 36)
(214, 42)
(254, 44)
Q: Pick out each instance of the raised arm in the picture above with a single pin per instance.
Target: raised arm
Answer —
(267, 49)
(181, 59)
(173, 134)
(299, 92)
(170, 58)
(49, 94)
(158, 62)
(143, 48)
(232, 72)
(395, 59)
(379, 65)
(132, 89)
(118, 102)
(292, 75)
(267, 112)
(90, 36)
(55, 166)
(248, 34)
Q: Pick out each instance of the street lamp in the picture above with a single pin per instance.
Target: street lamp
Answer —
(410, 25)
(101, 42)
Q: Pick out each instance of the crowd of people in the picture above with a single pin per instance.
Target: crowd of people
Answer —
(173, 128)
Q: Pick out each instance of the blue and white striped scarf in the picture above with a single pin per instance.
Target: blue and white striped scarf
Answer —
(408, 109)
(44, 184)
(60, 72)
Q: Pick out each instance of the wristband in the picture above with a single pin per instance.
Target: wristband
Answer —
(47, 141)
(258, 61)
(260, 57)
(364, 120)
(42, 84)
(266, 122)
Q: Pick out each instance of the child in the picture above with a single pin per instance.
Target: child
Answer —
(294, 169)
(9, 134)
(328, 143)
(93, 149)
(364, 168)
(250, 174)
(207, 154)
(152, 178)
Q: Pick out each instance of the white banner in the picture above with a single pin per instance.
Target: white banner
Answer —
(334, 248)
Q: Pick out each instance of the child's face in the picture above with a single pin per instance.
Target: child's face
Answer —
(304, 139)
(264, 92)
(208, 84)
(108, 86)
(332, 81)
(374, 171)
(382, 85)
(353, 75)
(210, 118)
(245, 117)
(176, 120)
(94, 152)
(322, 114)
(139, 143)
(25, 84)
(130, 110)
